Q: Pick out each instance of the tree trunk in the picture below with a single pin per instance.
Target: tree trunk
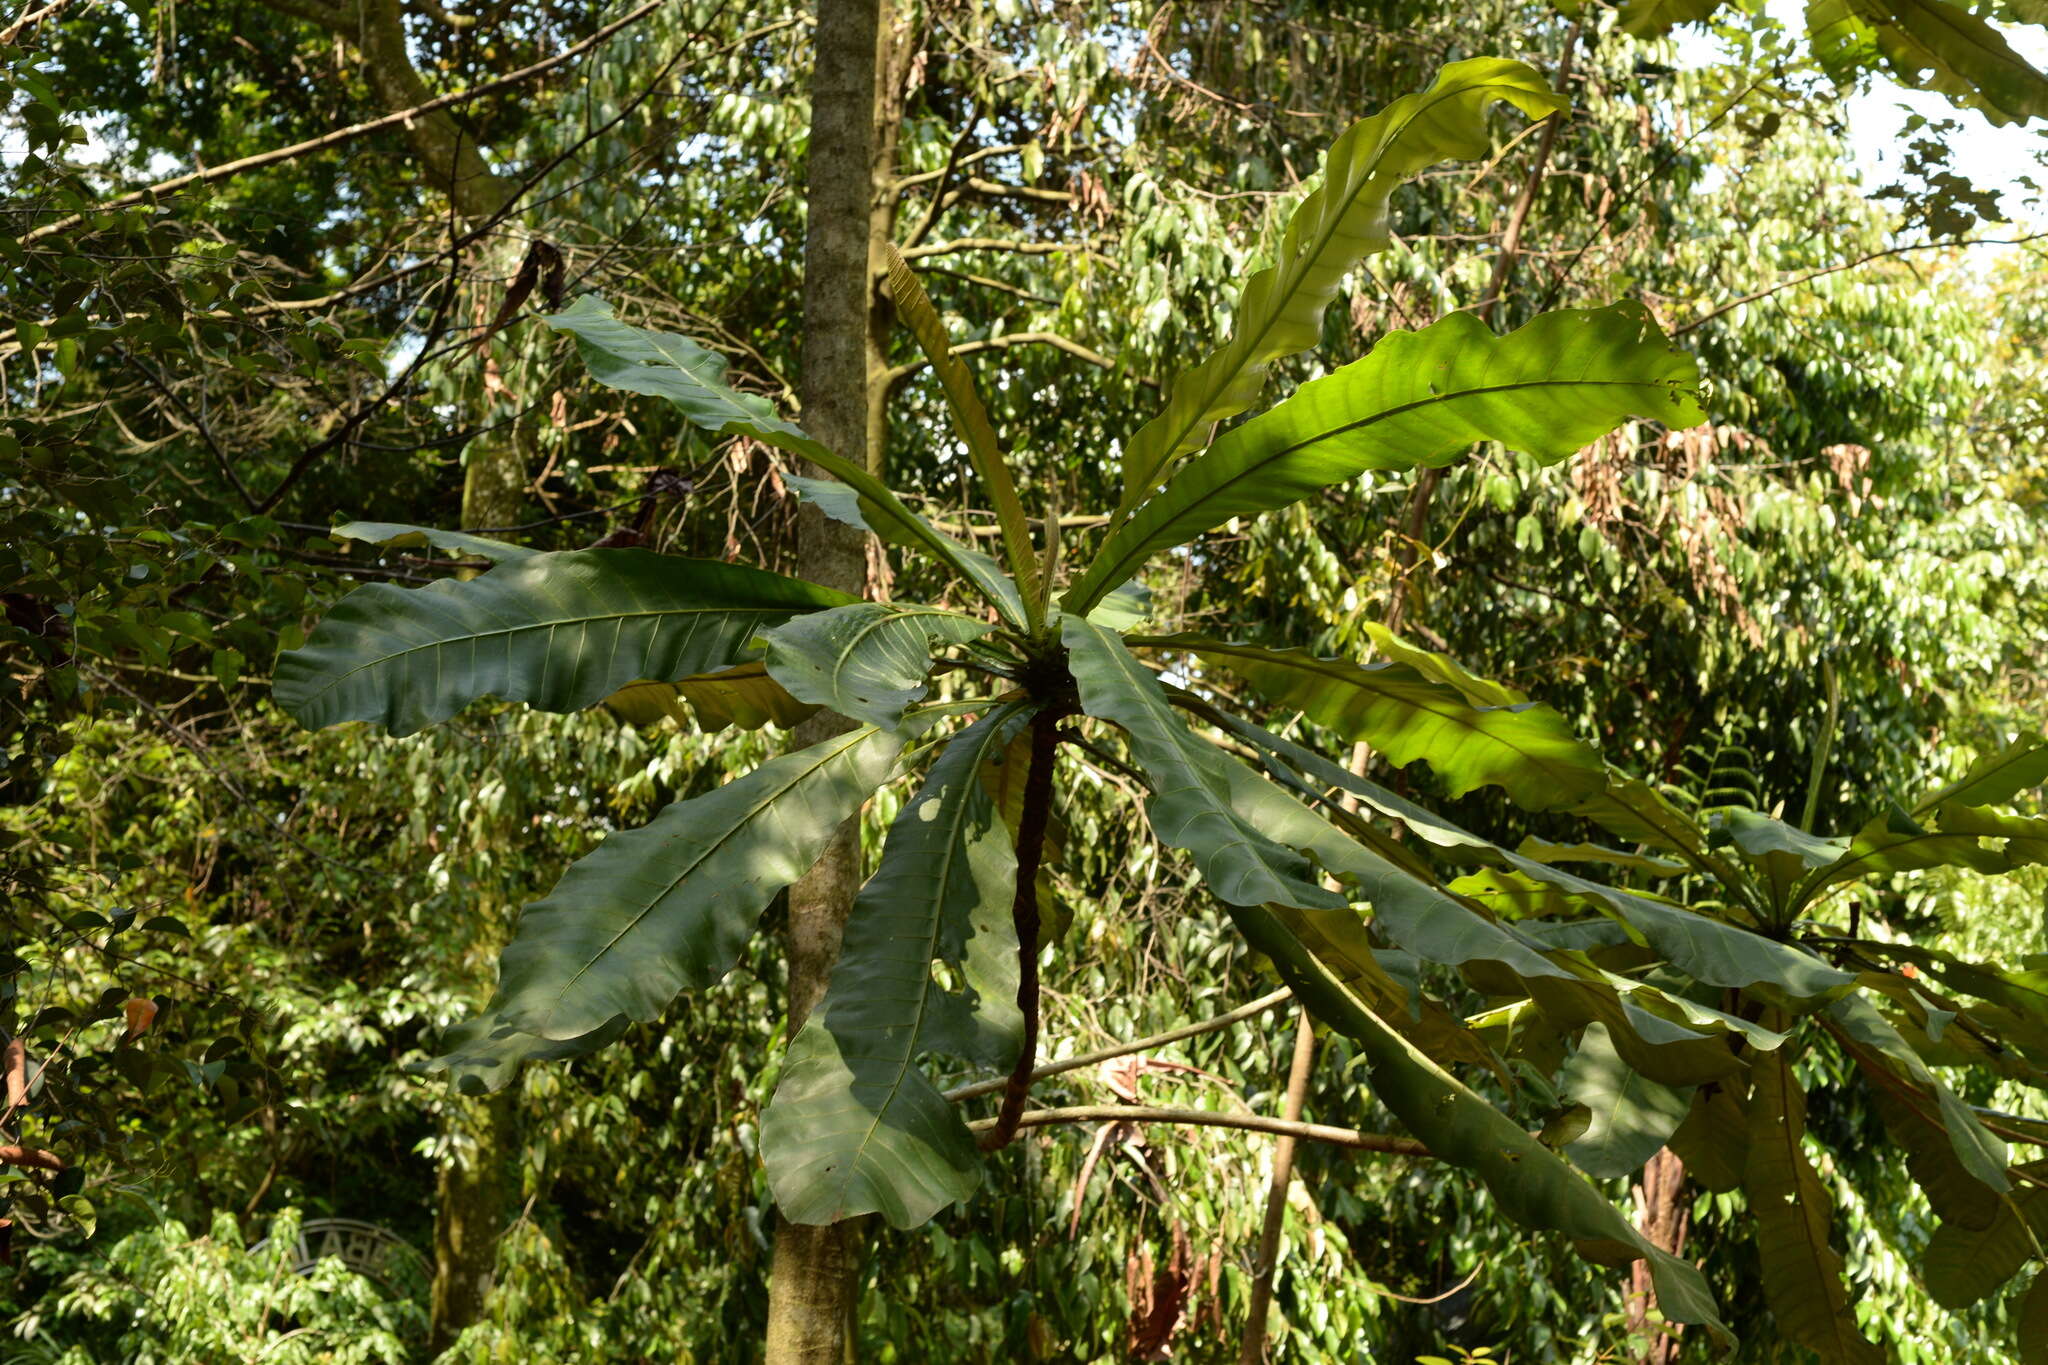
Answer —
(471, 1196)
(1665, 1213)
(474, 1187)
(813, 1285)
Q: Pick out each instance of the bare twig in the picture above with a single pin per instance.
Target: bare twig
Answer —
(1214, 1118)
(1221, 1021)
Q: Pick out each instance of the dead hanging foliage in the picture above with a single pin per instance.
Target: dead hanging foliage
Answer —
(1851, 466)
(1596, 475)
(1708, 515)
(1158, 1296)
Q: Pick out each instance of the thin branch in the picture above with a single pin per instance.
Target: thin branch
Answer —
(33, 17)
(938, 204)
(1866, 259)
(229, 169)
(1221, 1021)
(960, 244)
(1214, 1118)
(1253, 1349)
(904, 182)
(898, 373)
(1066, 524)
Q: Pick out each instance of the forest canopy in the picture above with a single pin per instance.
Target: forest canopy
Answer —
(995, 680)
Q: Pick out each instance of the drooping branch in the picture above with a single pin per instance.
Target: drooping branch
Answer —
(1865, 259)
(229, 169)
(1213, 1118)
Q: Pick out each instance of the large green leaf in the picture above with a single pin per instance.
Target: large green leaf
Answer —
(1802, 1274)
(2025, 837)
(1525, 747)
(1671, 1040)
(665, 365)
(557, 631)
(1341, 941)
(1193, 804)
(743, 696)
(843, 504)
(668, 907)
(1629, 1116)
(1544, 851)
(1932, 44)
(1655, 18)
(1529, 1182)
(855, 1127)
(1995, 778)
(1634, 810)
(1955, 1195)
(1713, 1142)
(1964, 1264)
(2030, 1322)
(1280, 311)
(868, 661)
(1707, 949)
(1976, 1150)
(1782, 853)
(1895, 842)
(1711, 951)
(1419, 398)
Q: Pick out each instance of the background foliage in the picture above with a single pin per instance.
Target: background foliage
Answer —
(198, 385)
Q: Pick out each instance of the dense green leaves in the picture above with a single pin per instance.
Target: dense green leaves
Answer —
(855, 1127)
(1344, 220)
(557, 631)
(1419, 398)
(667, 907)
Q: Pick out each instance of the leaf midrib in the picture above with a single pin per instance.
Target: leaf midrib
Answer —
(1339, 672)
(582, 622)
(732, 831)
(1129, 560)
